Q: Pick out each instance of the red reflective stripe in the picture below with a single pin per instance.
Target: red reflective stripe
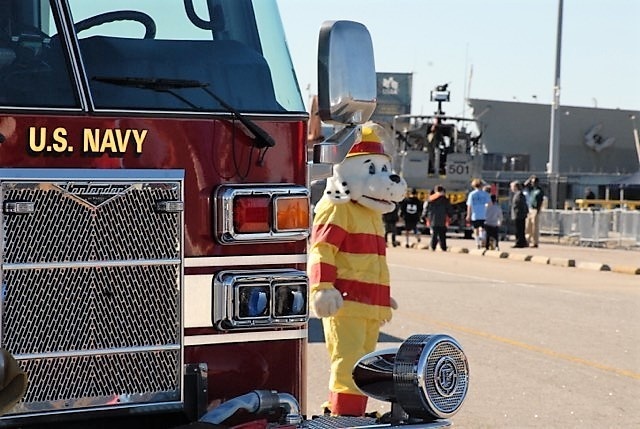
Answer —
(322, 272)
(363, 292)
(364, 244)
(349, 242)
(328, 233)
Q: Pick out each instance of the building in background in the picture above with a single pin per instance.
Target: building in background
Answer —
(394, 96)
(597, 146)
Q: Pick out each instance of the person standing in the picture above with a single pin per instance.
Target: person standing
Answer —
(589, 195)
(434, 140)
(519, 210)
(492, 223)
(476, 205)
(410, 209)
(437, 210)
(535, 199)
(390, 228)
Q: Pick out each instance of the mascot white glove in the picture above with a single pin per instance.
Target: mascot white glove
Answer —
(393, 303)
(394, 306)
(326, 302)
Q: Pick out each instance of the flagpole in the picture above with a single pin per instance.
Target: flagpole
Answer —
(464, 96)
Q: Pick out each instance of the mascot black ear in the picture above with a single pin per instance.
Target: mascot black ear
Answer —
(337, 190)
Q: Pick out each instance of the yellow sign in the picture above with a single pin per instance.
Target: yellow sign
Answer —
(112, 141)
(457, 197)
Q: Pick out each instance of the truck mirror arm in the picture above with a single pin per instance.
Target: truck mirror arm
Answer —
(335, 148)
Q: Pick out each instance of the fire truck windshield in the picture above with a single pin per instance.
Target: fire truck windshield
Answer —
(240, 47)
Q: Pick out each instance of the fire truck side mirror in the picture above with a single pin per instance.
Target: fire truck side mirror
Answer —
(346, 73)
(347, 90)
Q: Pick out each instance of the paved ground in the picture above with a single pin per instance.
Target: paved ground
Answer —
(551, 251)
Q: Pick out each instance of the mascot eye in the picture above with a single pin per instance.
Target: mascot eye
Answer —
(384, 168)
(372, 169)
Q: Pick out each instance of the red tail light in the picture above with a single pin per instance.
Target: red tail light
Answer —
(258, 213)
(252, 214)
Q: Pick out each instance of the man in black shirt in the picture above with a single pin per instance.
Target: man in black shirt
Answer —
(519, 211)
(410, 211)
(438, 210)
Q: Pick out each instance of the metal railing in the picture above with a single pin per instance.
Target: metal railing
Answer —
(611, 228)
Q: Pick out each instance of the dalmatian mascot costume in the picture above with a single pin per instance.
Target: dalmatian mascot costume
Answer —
(348, 271)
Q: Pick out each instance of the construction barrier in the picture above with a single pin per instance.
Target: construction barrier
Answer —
(608, 227)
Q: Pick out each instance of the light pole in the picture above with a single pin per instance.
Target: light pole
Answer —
(636, 138)
(553, 167)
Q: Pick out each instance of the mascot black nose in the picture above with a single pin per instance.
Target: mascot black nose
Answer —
(395, 178)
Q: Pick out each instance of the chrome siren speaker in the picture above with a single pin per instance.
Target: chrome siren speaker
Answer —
(428, 376)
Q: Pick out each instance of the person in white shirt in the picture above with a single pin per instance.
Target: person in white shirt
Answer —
(476, 202)
(493, 220)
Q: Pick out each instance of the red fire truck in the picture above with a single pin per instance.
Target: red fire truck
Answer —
(155, 212)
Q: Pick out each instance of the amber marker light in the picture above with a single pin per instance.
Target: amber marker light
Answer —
(292, 213)
(252, 214)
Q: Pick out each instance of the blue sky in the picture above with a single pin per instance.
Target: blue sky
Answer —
(509, 44)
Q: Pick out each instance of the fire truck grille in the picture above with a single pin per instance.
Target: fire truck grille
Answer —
(91, 289)
(103, 375)
(89, 308)
(65, 228)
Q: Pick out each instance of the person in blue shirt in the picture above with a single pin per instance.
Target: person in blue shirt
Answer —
(477, 201)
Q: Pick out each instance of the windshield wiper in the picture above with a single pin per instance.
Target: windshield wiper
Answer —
(261, 137)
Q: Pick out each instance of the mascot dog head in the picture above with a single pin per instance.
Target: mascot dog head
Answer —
(365, 176)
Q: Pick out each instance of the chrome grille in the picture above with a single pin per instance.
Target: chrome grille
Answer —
(58, 378)
(89, 233)
(91, 288)
(89, 308)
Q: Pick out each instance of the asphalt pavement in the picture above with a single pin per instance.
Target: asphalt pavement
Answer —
(552, 250)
